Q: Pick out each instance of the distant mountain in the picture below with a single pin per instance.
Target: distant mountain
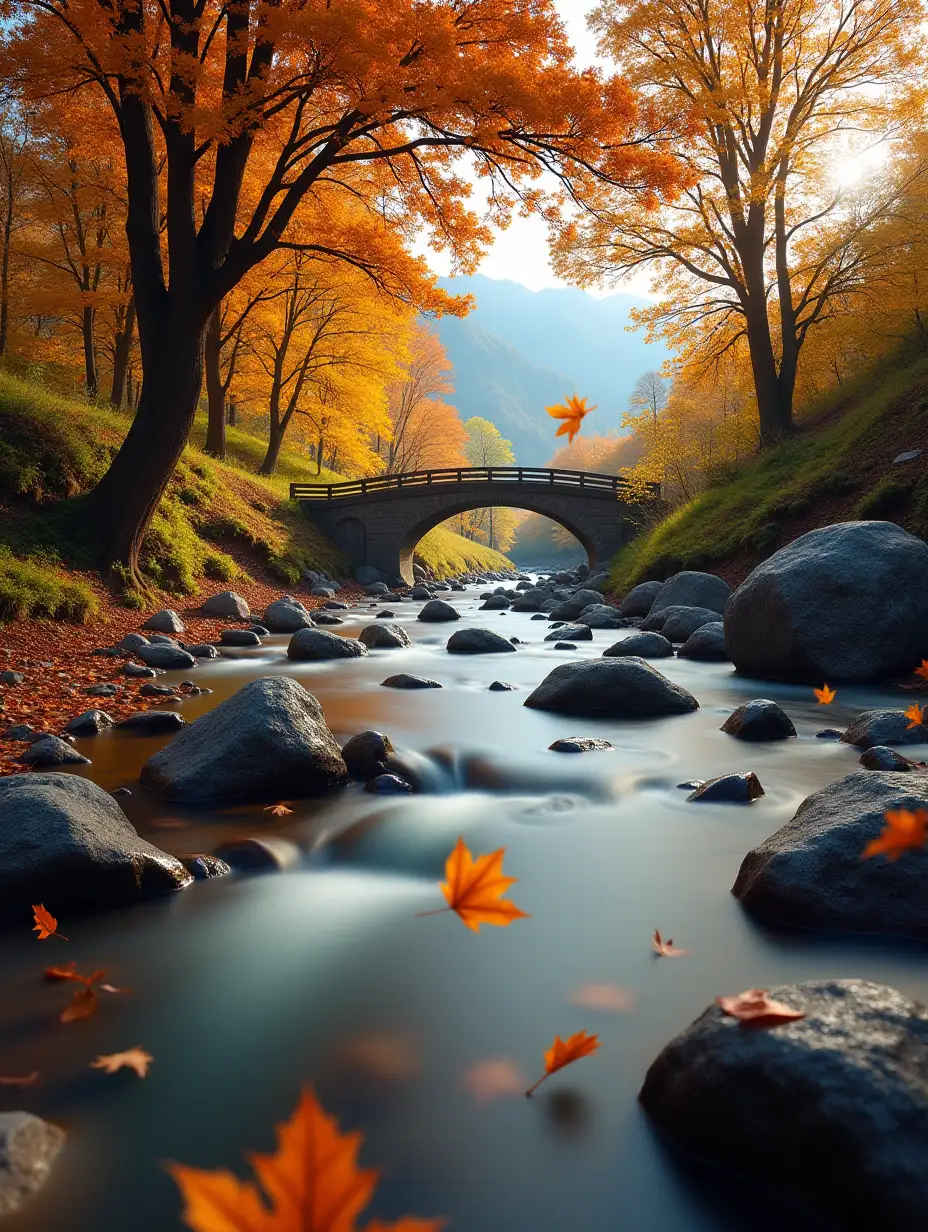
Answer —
(520, 350)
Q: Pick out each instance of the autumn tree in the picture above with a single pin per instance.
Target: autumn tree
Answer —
(426, 431)
(769, 94)
(487, 447)
(649, 395)
(15, 137)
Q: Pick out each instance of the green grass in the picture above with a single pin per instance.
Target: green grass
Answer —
(446, 553)
(38, 588)
(838, 466)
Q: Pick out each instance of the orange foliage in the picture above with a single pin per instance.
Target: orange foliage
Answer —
(666, 949)
(755, 1008)
(475, 889)
(573, 412)
(825, 695)
(904, 830)
(45, 924)
(132, 1058)
(916, 716)
(565, 1052)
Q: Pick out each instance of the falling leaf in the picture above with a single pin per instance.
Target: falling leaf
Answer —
(573, 413)
(84, 1002)
(666, 949)
(45, 924)
(609, 998)
(311, 1184)
(904, 830)
(82, 1005)
(279, 810)
(916, 714)
(825, 695)
(565, 1052)
(132, 1058)
(492, 1079)
(756, 1008)
(923, 670)
(26, 1080)
(474, 889)
(380, 1055)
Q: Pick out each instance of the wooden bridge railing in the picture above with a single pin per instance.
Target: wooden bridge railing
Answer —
(535, 477)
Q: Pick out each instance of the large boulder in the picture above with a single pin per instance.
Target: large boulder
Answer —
(165, 621)
(28, 1148)
(692, 589)
(707, 644)
(438, 611)
(266, 742)
(760, 719)
(478, 641)
(171, 658)
(682, 622)
(286, 615)
(313, 644)
(639, 599)
(872, 727)
(65, 841)
(227, 603)
(829, 1111)
(384, 637)
(845, 602)
(810, 873)
(619, 688)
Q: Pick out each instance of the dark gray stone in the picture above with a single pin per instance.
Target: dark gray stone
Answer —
(579, 744)
(227, 603)
(526, 603)
(622, 688)
(135, 671)
(152, 722)
(203, 650)
(367, 575)
(403, 680)
(90, 723)
(105, 690)
(314, 644)
(760, 719)
(478, 641)
(50, 751)
(132, 641)
(388, 785)
(420, 593)
(20, 732)
(320, 617)
(205, 868)
(157, 690)
(645, 645)
(267, 741)
(286, 615)
(844, 602)
(570, 609)
(692, 589)
(500, 686)
(259, 629)
(682, 622)
(384, 637)
(576, 633)
(743, 787)
(879, 757)
(829, 1111)
(640, 598)
(706, 644)
(164, 639)
(170, 658)
(437, 610)
(601, 616)
(564, 646)
(386, 614)
(367, 754)
(11, 678)
(830, 733)
(377, 589)
(165, 621)
(496, 603)
(28, 1149)
(884, 727)
(266, 853)
(239, 637)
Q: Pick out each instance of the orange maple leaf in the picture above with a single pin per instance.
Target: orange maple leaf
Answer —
(756, 1008)
(923, 670)
(279, 810)
(825, 695)
(45, 924)
(132, 1058)
(312, 1183)
(573, 413)
(666, 949)
(904, 829)
(565, 1052)
(916, 714)
(26, 1080)
(475, 889)
(84, 1002)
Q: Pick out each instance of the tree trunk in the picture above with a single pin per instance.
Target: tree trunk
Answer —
(5, 269)
(215, 391)
(232, 413)
(90, 355)
(121, 353)
(775, 419)
(275, 440)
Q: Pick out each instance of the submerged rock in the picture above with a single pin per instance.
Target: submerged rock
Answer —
(152, 722)
(760, 719)
(500, 686)
(261, 854)
(366, 755)
(239, 637)
(579, 744)
(28, 1148)
(740, 788)
(388, 785)
(314, 644)
(205, 868)
(618, 687)
(403, 680)
(478, 641)
(884, 727)
(643, 645)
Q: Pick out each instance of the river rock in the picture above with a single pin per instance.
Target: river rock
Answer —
(321, 617)
(376, 589)
(227, 603)
(152, 722)
(879, 757)
(384, 637)
(132, 641)
(137, 671)
(576, 633)
(830, 733)
(323, 592)
(264, 853)
(570, 609)
(315, 644)
(50, 751)
(28, 1148)
(601, 616)
(106, 689)
(204, 650)
(884, 727)
(760, 719)
(13, 678)
(403, 680)
(367, 575)
(693, 589)
(239, 637)
(579, 744)
(438, 611)
(640, 598)
(66, 841)
(496, 603)
(367, 754)
(500, 686)
(388, 785)
(20, 732)
(526, 603)
(90, 723)
(829, 1111)
(205, 868)
(621, 688)
(170, 658)
(267, 741)
(706, 644)
(420, 594)
(645, 645)
(743, 787)
(810, 873)
(286, 615)
(478, 641)
(682, 622)
(165, 621)
(386, 614)
(844, 602)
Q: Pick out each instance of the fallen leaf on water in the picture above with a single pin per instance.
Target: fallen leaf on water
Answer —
(84, 1002)
(132, 1058)
(565, 1052)
(45, 924)
(916, 714)
(493, 1079)
(573, 412)
(923, 670)
(311, 1184)
(666, 949)
(607, 997)
(26, 1080)
(904, 830)
(279, 810)
(389, 1056)
(755, 1007)
(475, 889)
(825, 695)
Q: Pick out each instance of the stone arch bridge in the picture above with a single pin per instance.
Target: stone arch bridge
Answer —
(379, 521)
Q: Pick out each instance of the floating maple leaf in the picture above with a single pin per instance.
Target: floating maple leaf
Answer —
(825, 695)
(311, 1184)
(279, 810)
(573, 413)
(904, 830)
(666, 949)
(45, 924)
(609, 998)
(756, 1008)
(25, 1080)
(565, 1052)
(493, 1079)
(84, 1002)
(916, 715)
(923, 670)
(132, 1058)
(475, 889)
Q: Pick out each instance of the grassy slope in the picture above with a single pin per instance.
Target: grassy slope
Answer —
(444, 553)
(841, 470)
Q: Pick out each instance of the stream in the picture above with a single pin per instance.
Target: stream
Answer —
(245, 989)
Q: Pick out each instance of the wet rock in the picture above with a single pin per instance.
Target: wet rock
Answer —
(121, 791)
(601, 616)
(103, 690)
(622, 688)
(51, 751)
(500, 686)
(690, 785)
(269, 740)
(377, 588)
(286, 615)
(526, 603)
(260, 854)
(829, 1111)
(203, 867)
(707, 643)
(496, 603)
(693, 589)
(136, 671)
(203, 650)
(760, 719)
(384, 637)
(227, 603)
(645, 645)
(66, 841)
(170, 658)
(564, 645)
(367, 575)
(388, 785)
(844, 602)
(314, 644)
(879, 757)
(157, 690)
(366, 755)
(570, 609)
(333, 605)
(28, 1149)
(420, 593)
(539, 616)
(165, 621)
(11, 678)
(740, 788)
(640, 598)
(574, 633)
(163, 639)
(810, 873)
(259, 629)
(90, 723)
(478, 641)
(239, 637)
(152, 722)
(884, 727)
(21, 732)
(681, 623)
(579, 744)
(403, 680)
(321, 617)
(386, 614)
(830, 733)
(437, 610)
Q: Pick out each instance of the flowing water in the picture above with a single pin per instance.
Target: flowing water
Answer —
(244, 989)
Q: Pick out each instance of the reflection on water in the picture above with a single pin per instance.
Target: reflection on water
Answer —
(245, 989)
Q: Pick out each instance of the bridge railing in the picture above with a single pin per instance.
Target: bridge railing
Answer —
(525, 475)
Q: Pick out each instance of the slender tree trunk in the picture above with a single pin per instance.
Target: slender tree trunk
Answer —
(215, 390)
(88, 316)
(773, 426)
(232, 413)
(275, 440)
(5, 269)
(121, 354)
